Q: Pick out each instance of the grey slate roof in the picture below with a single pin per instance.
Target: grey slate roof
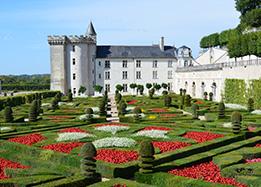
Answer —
(91, 30)
(110, 51)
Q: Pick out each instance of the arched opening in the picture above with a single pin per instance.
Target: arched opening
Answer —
(202, 89)
(193, 89)
(214, 90)
(186, 85)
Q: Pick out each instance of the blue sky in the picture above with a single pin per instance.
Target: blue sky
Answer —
(25, 25)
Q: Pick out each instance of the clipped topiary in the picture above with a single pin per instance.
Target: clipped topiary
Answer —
(167, 101)
(187, 100)
(39, 105)
(88, 163)
(55, 104)
(118, 98)
(205, 96)
(221, 110)
(236, 119)
(8, 114)
(250, 105)
(89, 113)
(195, 108)
(164, 92)
(151, 93)
(182, 102)
(33, 112)
(122, 108)
(137, 111)
(102, 108)
(180, 91)
(70, 97)
(210, 96)
(184, 92)
(146, 153)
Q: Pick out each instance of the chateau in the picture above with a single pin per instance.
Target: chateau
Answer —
(77, 61)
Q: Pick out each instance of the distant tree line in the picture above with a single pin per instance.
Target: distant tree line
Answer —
(238, 43)
(25, 82)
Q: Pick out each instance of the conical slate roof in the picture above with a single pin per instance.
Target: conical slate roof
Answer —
(91, 30)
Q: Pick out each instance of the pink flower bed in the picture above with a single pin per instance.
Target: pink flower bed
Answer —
(119, 185)
(168, 115)
(207, 171)
(158, 110)
(202, 136)
(169, 146)
(116, 156)
(199, 102)
(132, 102)
(73, 129)
(258, 145)
(111, 124)
(156, 128)
(63, 147)
(9, 164)
(29, 139)
(253, 160)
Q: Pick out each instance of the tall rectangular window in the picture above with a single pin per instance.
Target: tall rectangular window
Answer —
(107, 75)
(99, 63)
(138, 63)
(99, 76)
(73, 61)
(124, 63)
(74, 90)
(138, 74)
(125, 87)
(169, 74)
(170, 64)
(73, 48)
(107, 64)
(154, 74)
(155, 64)
(124, 75)
(74, 76)
(108, 87)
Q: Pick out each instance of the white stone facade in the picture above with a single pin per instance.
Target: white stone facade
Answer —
(77, 61)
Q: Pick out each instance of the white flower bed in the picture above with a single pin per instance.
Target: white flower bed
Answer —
(152, 133)
(46, 104)
(72, 136)
(95, 109)
(112, 128)
(131, 115)
(5, 128)
(235, 106)
(114, 142)
(227, 125)
(69, 104)
(258, 112)
(84, 117)
(130, 107)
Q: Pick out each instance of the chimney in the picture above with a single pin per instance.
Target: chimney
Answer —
(161, 45)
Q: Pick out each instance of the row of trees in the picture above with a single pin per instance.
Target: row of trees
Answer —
(238, 43)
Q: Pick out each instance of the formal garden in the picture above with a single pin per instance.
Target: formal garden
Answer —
(170, 140)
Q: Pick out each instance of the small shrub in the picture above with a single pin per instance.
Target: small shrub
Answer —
(221, 110)
(33, 113)
(195, 111)
(8, 114)
(187, 100)
(205, 96)
(250, 105)
(167, 101)
(55, 104)
(122, 108)
(118, 97)
(151, 93)
(88, 162)
(210, 96)
(89, 113)
(146, 153)
(102, 108)
(164, 92)
(184, 92)
(137, 111)
(236, 119)
(58, 96)
(70, 97)
(182, 102)
(180, 91)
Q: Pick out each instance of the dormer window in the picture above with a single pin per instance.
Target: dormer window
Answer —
(73, 48)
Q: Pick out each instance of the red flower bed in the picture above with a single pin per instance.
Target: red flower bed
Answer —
(63, 147)
(207, 171)
(119, 185)
(9, 164)
(156, 128)
(60, 117)
(202, 136)
(258, 145)
(168, 115)
(73, 129)
(111, 124)
(253, 160)
(158, 110)
(132, 102)
(198, 102)
(116, 156)
(169, 146)
(29, 139)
